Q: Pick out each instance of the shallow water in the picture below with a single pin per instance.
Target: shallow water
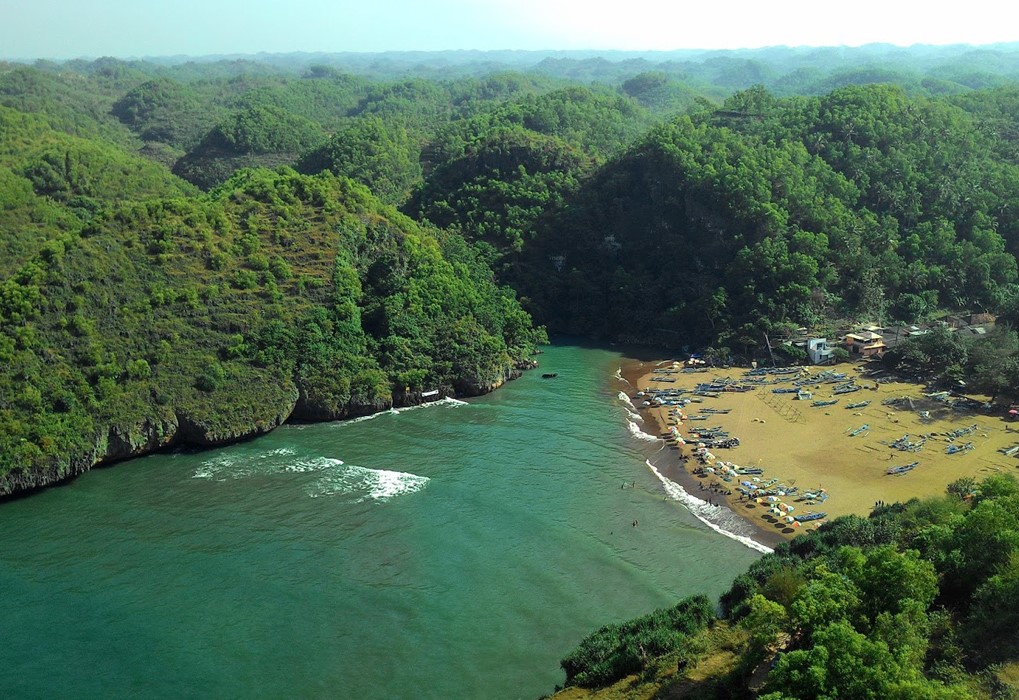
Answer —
(453, 551)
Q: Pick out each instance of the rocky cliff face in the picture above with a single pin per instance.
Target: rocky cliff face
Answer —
(150, 433)
(167, 428)
(209, 430)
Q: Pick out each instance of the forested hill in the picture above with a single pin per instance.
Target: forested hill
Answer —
(169, 317)
(194, 252)
(653, 204)
(177, 235)
(727, 223)
(915, 602)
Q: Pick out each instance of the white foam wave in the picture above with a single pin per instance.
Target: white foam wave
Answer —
(372, 484)
(636, 432)
(224, 468)
(448, 401)
(704, 511)
(619, 375)
(625, 398)
(312, 465)
(333, 477)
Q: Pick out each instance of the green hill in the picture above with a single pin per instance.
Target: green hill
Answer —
(205, 319)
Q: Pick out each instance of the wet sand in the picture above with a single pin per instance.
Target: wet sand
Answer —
(811, 447)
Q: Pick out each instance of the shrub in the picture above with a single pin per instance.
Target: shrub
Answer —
(616, 651)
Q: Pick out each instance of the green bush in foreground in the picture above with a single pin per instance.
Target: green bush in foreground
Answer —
(616, 651)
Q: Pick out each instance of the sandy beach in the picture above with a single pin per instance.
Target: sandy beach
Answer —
(846, 452)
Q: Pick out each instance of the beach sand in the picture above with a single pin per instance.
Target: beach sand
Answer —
(811, 447)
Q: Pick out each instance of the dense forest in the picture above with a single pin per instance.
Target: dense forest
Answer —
(195, 252)
(916, 602)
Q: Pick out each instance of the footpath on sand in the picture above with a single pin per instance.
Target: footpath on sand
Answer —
(834, 441)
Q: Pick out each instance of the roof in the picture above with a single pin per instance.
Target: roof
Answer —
(864, 336)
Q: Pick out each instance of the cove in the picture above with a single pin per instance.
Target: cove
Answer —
(457, 550)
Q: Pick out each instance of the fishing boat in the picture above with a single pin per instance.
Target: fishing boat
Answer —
(807, 517)
(961, 432)
(902, 469)
(858, 404)
(819, 404)
(846, 389)
(955, 449)
(863, 428)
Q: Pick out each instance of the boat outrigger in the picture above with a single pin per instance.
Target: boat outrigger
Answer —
(954, 449)
(806, 517)
(903, 469)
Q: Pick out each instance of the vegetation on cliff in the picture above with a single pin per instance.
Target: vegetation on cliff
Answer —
(205, 319)
(195, 253)
(727, 223)
(915, 601)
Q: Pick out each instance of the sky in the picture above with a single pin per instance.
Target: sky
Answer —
(61, 29)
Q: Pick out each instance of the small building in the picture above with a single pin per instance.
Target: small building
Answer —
(865, 343)
(818, 351)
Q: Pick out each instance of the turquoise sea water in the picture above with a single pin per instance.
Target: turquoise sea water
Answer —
(453, 551)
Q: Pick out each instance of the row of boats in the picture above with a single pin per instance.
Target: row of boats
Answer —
(776, 497)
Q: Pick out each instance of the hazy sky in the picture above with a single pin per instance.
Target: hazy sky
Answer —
(131, 28)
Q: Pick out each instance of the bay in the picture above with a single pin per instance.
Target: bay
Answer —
(457, 550)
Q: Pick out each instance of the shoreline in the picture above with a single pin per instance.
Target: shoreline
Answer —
(673, 465)
(843, 450)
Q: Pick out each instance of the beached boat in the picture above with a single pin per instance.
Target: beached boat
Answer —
(961, 432)
(846, 389)
(955, 449)
(819, 404)
(902, 469)
(807, 517)
(749, 470)
(863, 428)
(858, 404)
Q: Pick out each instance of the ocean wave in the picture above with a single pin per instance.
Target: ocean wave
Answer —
(619, 375)
(718, 518)
(235, 466)
(625, 398)
(366, 484)
(447, 401)
(630, 409)
(636, 432)
(332, 476)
